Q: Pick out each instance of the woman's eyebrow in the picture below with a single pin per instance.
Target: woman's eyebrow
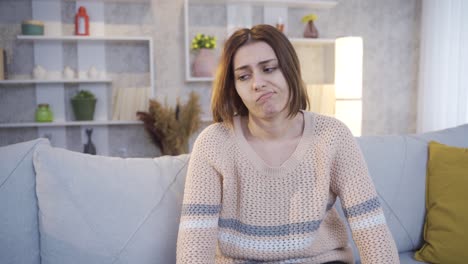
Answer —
(260, 63)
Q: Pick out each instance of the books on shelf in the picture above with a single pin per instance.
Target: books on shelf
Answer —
(128, 101)
(3, 64)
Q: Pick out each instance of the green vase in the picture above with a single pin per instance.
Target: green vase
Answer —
(44, 114)
(83, 108)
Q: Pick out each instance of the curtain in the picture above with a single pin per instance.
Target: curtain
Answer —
(443, 68)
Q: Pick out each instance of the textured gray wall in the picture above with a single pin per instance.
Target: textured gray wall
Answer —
(390, 29)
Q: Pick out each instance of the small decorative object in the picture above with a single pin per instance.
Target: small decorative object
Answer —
(32, 27)
(84, 104)
(82, 22)
(68, 73)
(44, 114)
(89, 147)
(310, 31)
(280, 24)
(93, 73)
(205, 62)
(170, 129)
(39, 72)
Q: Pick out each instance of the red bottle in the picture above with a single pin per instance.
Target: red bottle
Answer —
(82, 22)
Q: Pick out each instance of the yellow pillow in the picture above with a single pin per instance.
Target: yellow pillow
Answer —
(446, 226)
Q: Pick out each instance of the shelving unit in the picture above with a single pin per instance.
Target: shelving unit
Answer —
(272, 9)
(316, 56)
(90, 51)
(37, 81)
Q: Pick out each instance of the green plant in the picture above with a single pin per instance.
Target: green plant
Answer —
(83, 104)
(83, 94)
(202, 41)
(309, 17)
(170, 128)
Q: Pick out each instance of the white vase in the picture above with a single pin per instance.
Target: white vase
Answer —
(39, 72)
(68, 73)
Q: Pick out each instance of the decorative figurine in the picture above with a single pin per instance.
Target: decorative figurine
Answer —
(89, 147)
(82, 22)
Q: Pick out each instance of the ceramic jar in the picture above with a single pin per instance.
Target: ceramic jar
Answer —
(44, 114)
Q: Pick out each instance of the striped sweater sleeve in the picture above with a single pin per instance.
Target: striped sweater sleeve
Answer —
(198, 228)
(361, 205)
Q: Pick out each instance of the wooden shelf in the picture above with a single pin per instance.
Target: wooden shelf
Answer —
(33, 81)
(69, 123)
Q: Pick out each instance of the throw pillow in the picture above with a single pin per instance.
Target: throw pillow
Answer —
(95, 209)
(446, 229)
(19, 234)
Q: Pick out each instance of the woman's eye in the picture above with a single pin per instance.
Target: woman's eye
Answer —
(242, 77)
(269, 69)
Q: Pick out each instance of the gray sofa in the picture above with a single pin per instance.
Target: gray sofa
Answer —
(59, 206)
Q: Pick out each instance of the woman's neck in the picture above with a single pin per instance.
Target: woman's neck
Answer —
(280, 128)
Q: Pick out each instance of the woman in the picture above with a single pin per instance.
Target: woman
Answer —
(263, 179)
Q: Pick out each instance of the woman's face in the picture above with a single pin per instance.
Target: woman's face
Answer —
(259, 81)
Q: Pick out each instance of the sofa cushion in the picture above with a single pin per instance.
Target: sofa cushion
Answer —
(446, 230)
(19, 236)
(95, 209)
(397, 165)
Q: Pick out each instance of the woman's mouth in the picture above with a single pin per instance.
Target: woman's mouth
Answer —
(264, 97)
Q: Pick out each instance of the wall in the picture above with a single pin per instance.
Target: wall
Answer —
(390, 30)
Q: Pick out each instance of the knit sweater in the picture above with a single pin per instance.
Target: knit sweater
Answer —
(238, 209)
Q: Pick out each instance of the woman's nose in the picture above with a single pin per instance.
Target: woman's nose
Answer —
(258, 82)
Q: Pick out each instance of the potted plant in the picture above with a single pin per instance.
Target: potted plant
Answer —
(205, 61)
(310, 31)
(84, 104)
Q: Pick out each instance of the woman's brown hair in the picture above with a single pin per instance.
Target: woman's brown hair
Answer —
(225, 102)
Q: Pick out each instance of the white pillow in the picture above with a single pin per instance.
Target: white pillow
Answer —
(95, 209)
(19, 234)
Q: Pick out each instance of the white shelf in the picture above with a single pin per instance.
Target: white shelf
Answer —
(271, 7)
(312, 41)
(33, 81)
(315, 4)
(84, 38)
(69, 123)
(200, 79)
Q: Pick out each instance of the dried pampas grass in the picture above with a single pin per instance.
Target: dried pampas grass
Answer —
(170, 129)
